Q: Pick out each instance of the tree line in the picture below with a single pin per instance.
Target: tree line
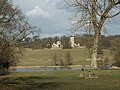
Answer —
(111, 43)
(105, 42)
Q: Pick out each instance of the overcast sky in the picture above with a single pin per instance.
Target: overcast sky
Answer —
(53, 18)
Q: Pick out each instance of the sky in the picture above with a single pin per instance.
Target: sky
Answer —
(53, 19)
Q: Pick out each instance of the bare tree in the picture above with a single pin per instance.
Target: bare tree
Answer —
(68, 58)
(94, 13)
(55, 59)
(14, 27)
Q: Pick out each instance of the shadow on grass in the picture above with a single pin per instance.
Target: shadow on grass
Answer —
(108, 80)
(28, 83)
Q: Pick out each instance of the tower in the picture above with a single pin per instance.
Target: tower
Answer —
(72, 41)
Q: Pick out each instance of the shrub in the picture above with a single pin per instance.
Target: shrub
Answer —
(117, 58)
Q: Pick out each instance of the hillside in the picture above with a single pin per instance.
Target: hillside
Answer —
(43, 57)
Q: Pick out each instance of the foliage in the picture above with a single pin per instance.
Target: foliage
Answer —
(68, 58)
(100, 63)
(105, 42)
(106, 61)
(115, 42)
(9, 57)
(55, 59)
(117, 58)
(99, 51)
(66, 42)
(37, 43)
(62, 61)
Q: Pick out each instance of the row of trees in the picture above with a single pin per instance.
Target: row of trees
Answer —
(105, 42)
(116, 49)
(14, 27)
(37, 43)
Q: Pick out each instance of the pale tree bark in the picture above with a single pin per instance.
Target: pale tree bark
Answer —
(96, 12)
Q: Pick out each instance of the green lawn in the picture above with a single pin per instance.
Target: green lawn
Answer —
(60, 80)
(44, 57)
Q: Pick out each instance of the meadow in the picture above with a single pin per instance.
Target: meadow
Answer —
(60, 80)
(43, 57)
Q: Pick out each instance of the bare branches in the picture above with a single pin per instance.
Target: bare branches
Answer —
(113, 15)
(94, 13)
(118, 2)
(13, 27)
(96, 10)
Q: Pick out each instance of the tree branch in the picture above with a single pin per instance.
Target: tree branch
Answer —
(113, 15)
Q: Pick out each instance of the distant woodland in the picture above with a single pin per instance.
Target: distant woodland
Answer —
(105, 42)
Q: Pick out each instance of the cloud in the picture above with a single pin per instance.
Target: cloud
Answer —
(48, 1)
(54, 17)
(52, 35)
(37, 11)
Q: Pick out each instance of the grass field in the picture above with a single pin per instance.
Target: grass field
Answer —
(44, 57)
(60, 80)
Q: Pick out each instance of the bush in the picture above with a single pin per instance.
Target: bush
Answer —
(117, 58)
(8, 57)
(68, 58)
(59, 60)
(55, 59)
(106, 61)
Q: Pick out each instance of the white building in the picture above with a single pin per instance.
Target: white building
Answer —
(57, 44)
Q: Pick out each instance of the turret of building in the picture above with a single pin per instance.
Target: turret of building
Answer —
(72, 41)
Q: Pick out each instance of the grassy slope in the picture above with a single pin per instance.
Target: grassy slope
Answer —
(44, 57)
(60, 80)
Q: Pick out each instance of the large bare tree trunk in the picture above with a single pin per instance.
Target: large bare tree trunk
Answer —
(95, 46)
(94, 54)
(94, 51)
